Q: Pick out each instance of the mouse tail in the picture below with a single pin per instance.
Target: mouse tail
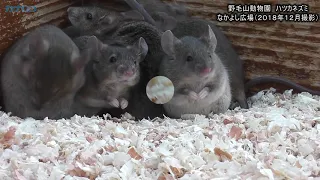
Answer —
(136, 6)
(270, 79)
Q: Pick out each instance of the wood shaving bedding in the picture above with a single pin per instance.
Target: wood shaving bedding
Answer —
(278, 138)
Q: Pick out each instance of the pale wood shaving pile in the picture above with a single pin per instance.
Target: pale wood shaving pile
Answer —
(278, 138)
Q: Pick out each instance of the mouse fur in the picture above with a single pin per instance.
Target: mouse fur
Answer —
(191, 26)
(200, 79)
(111, 74)
(93, 20)
(224, 50)
(41, 74)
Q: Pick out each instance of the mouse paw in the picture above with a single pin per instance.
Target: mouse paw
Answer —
(115, 103)
(203, 93)
(193, 95)
(123, 103)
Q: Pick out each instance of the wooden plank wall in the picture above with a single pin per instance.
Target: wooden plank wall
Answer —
(14, 25)
(286, 49)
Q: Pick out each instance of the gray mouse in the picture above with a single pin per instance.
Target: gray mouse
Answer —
(232, 61)
(111, 74)
(129, 32)
(224, 50)
(132, 30)
(191, 25)
(195, 27)
(200, 79)
(41, 74)
(92, 20)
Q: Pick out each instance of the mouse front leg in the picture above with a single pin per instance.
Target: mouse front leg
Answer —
(191, 94)
(96, 103)
(118, 103)
(209, 88)
(114, 102)
(123, 103)
(204, 93)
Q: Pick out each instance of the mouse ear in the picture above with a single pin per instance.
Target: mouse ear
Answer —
(36, 48)
(142, 48)
(73, 14)
(210, 38)
(132, 15)
(168, 42)
(95, 43)
(108, 18)
(92, 47)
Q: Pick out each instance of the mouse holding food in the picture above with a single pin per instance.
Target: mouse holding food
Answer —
(111, 74)
(191, 26)
(232, 61)
(41, 74)
(200, 79)
(224, 50)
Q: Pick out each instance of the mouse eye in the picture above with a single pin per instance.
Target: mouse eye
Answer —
(189, 58)
(89, 16)
(210, 56)
(135, 62)
(113, 59)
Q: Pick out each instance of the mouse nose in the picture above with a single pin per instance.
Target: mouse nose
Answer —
(125, 71)
(203, 69)
(128, 73)
(206, 70)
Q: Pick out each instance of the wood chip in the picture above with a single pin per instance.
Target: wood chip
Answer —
(133, 153)
(178, 172)
(227, 121)
(220, 153)
(235, 132)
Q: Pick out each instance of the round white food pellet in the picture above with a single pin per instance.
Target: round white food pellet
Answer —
(160, 90)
